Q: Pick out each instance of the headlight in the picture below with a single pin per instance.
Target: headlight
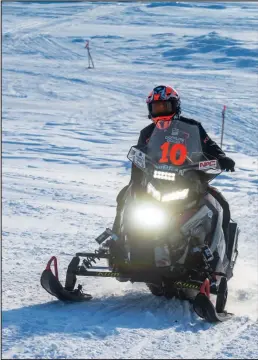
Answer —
(164, 175)
(155, 193)
(176, 195)
(150, 216)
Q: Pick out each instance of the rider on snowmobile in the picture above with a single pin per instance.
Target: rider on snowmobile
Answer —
(164, 104)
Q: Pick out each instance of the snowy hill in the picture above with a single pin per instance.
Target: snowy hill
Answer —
(66, 131)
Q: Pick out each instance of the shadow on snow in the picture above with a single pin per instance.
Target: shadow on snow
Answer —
(100, 317)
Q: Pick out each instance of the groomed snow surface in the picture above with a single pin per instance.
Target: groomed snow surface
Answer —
(66, 131)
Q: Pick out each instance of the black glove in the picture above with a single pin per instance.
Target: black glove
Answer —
(227, 164)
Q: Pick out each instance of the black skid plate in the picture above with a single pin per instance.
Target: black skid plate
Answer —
(206, 310)
(53, 286)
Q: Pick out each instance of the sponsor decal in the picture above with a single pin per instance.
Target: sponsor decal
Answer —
(112, 274)
(175, 131)
(187, 285)
(170, 168)
(138, 157)
(208, 164)
(177, 136)
(175, 140)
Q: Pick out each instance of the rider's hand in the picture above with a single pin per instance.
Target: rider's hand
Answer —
(227, 164)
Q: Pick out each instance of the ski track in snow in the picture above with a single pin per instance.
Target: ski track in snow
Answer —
(66, 132)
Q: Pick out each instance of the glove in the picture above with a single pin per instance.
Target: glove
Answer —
(227, 164)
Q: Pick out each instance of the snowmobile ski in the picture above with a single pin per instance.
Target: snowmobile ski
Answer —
(206, 310)
(52, 285)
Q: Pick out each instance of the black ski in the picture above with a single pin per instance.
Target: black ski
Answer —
(206, 310)
(53, 286)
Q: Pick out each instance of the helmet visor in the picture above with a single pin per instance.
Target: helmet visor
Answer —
(162, 108)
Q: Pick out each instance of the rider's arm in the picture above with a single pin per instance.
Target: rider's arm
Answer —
(209, 146)
(145, 134)
(213, 149)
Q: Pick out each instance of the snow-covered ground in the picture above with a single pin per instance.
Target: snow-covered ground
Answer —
(66, 131)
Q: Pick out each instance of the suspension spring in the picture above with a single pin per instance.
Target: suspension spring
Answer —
(90, 260)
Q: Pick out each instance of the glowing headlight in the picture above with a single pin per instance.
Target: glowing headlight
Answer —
(163, 175)
(150, 216)
(176, 195)
(155, 193)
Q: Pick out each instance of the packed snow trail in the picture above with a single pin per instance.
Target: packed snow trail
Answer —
(66, 132)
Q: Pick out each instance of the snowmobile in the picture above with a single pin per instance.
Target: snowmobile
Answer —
(170, 232)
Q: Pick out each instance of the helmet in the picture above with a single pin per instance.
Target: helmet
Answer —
(163, 103)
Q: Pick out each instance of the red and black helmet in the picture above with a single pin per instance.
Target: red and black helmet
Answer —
(163, 103)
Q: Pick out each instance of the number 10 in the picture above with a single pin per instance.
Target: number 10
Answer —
(175, 149)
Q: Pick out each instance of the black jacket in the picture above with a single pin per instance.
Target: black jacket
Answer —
(209, 146)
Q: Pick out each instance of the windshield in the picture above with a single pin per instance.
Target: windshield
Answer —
(173, 145)
(168, 141)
